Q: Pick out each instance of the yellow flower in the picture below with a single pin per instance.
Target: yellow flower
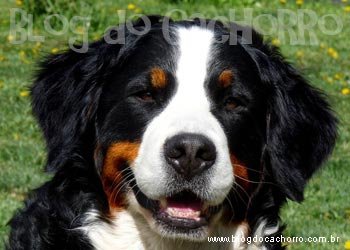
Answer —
(80, 30)
(24, 93)
(23, 57)
(299, 2)
(322, 45)
(10, 38)
(286, 245)
(54, 50)
(2, 58)
(283, 1)
(96, 37)
(15, 136)
(131, 6)
(344, 1)
(347, 245)
(333, 53)
(35, 51)
(19, 2)
(329, 79)
(347, 212)
(276, 42)
(338, 76)
(300, 54)
(346, 91)
(347, 9)
(36, 48)
(138, 10)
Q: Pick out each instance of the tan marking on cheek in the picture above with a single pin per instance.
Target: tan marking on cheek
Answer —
(117, 155)
(241, 173)
(158, 78)
(225, 78)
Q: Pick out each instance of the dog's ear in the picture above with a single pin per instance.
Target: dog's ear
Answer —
(301, 127)
(67, 89)
(64, 98)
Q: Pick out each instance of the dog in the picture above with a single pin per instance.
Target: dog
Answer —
(172, 139)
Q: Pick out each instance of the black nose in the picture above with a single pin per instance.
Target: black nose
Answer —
(189, 154)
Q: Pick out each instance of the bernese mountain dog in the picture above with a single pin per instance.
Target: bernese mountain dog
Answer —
(162, 137)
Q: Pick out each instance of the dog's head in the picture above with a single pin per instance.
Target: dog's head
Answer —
(175, 124)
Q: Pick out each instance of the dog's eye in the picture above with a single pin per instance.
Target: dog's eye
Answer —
(231, 103)
(145, 96)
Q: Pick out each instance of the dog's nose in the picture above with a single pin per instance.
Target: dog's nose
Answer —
(189, 154)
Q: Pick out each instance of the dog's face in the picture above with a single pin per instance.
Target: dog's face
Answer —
(176, 130)
(184, 111)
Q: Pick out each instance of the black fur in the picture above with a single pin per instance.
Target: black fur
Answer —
(284, 128)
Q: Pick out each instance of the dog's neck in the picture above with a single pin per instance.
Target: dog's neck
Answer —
(128, 231)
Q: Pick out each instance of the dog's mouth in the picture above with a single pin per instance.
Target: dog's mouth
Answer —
(182, 212)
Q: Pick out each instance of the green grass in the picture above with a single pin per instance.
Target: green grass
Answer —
(326, 210)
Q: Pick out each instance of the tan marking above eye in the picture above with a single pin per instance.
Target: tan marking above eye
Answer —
(158, 78)
(225, 78)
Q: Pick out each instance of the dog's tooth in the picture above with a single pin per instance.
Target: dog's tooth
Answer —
(183, 213)
(170, 211)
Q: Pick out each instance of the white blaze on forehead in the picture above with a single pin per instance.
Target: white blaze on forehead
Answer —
(188, 111)
(190, 104)
(194, 50)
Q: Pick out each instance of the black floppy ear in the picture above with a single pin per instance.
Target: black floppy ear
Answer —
(66, 94)
(302, 127)
(64, 99)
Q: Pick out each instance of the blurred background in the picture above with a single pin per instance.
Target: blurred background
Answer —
(32, 29)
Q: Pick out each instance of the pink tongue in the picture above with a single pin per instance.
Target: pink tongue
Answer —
(188, 210)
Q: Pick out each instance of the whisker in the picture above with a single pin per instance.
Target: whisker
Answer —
(251, 169)
(138, 191)
(120, 186)
(257, 182)
(125, 184)
(231, 206)
(239, 195)
(121, 182)
(119, 174)
(245, 192)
